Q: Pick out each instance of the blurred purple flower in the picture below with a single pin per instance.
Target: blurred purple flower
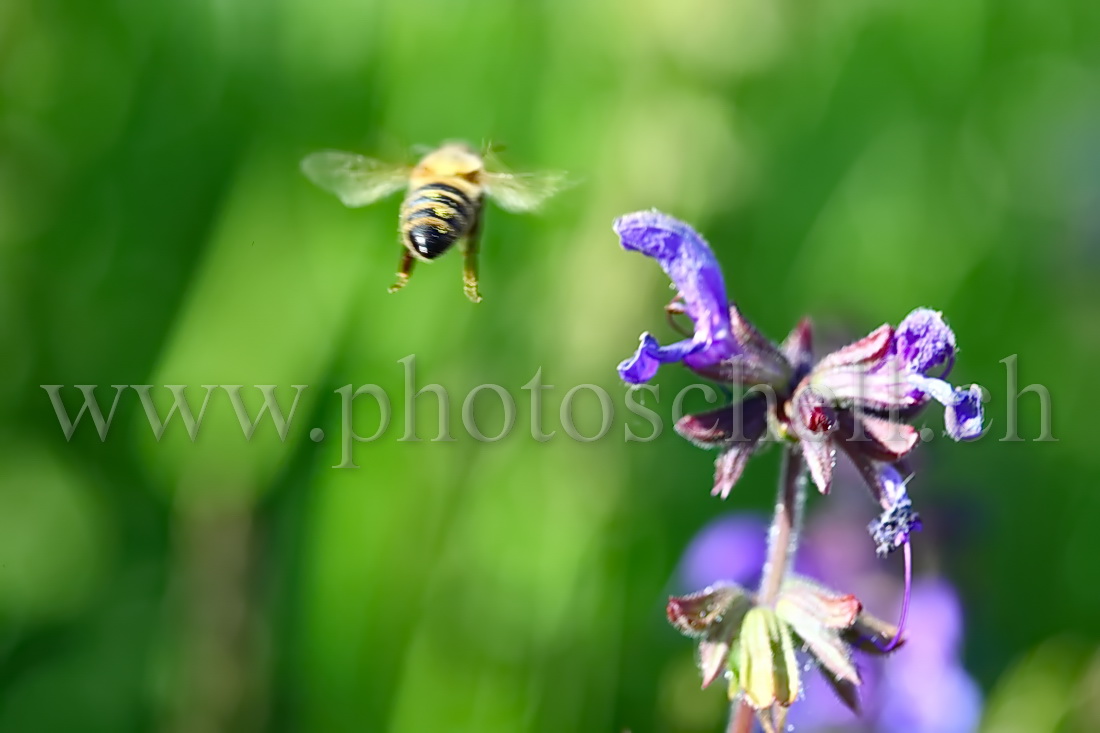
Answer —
(734, 548)
(730, 548)
(927, 690)
(821, 710)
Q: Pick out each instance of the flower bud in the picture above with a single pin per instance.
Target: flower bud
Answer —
(768, 669)
(715, 615)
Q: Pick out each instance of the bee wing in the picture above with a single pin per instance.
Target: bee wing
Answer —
(357, 180)
(521, 192)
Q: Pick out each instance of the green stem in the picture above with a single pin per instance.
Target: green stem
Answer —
(741, 717)
(782, 543)
(786, 525)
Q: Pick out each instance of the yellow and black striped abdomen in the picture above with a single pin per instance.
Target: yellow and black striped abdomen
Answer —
(435, 215)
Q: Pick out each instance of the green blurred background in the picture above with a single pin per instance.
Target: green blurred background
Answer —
(850, 160)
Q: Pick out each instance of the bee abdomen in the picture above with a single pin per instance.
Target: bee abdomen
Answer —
(434, 216)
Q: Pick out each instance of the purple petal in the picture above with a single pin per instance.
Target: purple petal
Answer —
(924, 341)
(892, 528)
(692, 267)
(893, 485)
(963, 416)
(650, 354)
(937, 389)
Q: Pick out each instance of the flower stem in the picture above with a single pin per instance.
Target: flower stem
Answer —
(741, 717)
(786, 524)
(782, 543)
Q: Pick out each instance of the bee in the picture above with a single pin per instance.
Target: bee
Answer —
(443, 205)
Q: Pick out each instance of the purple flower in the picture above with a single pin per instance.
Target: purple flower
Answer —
(856, 401)
(691, 265)
(821, 710)
(926, 689)
(891, 371)
(898, 520)
(923, 343)
(853, 399)
(858, 394)
(730, 548)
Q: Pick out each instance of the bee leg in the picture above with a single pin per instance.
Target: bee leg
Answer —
(404, 271)
(469, 261)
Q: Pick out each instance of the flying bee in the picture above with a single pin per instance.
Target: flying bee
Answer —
(443, 204)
